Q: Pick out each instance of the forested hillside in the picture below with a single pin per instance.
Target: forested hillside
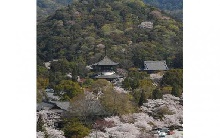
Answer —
(173, 7)
(129, 32)
(47, 7)
(81, 31)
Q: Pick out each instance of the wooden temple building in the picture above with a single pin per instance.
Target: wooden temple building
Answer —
(105, 69)
(155, 66)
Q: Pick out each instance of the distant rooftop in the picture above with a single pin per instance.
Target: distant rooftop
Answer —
(155, 65)
(44, 106)
(53, 105)
(62, 105)
(106, 61)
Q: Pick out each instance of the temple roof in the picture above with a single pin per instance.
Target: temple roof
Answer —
(155, 65)
(106, 61)
(62, 105)
(44, 106)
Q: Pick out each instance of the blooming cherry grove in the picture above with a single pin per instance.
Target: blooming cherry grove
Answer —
(138, 125)
(49, 117)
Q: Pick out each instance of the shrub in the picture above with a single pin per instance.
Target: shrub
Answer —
(157, 94)
(176, 91)
(71, 88)
(88, 82)
(173, 77)
(74, 128)
(166, 90)
(116, 103)
(142, 99)
(98, 85)
(160, 112)
(40, 123)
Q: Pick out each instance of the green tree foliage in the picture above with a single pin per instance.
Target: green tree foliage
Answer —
(58, 71)
(116, 103)
(142, 99)
(42, 71)
(166, 89)
(88, 82)
(60, 66)
(145, 89)
(176, 91)
(178, 60)
(74, 128)
(70, 88)
(42, 83)
(99, 85)
(75, 31)
(40, 124)
(172, 7)
(173, 77)
(55, 78)
(157, 94)
(39, 96)
(132, 81)
(147, 86)
(78, 68)
(47, 7)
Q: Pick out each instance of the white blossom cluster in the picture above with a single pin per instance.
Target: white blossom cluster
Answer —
(54, 133)
(172, 104)
(156, 76)
(139, 125)
(120, 130)
(49, 117)
(120, 89)
(40, 134)
(51, 133)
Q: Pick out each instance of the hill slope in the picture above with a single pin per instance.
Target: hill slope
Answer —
(82, 30)
(47, 7)
(173, 7)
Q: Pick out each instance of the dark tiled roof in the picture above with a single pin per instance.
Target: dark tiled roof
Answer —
(44, 106)
(62, 105)
(106, 61)
(155, 65)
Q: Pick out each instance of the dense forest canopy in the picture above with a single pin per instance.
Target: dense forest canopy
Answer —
(129, 32)
(81, 31)
(172, 7)
(47, 7)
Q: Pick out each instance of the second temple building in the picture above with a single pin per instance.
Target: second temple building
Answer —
(105, 69)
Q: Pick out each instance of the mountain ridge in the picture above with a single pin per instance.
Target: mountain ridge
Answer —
(75, 32)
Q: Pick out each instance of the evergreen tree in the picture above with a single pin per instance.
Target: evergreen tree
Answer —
(176, 91)
(40, 124)
(142, 99)
(157, 94)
